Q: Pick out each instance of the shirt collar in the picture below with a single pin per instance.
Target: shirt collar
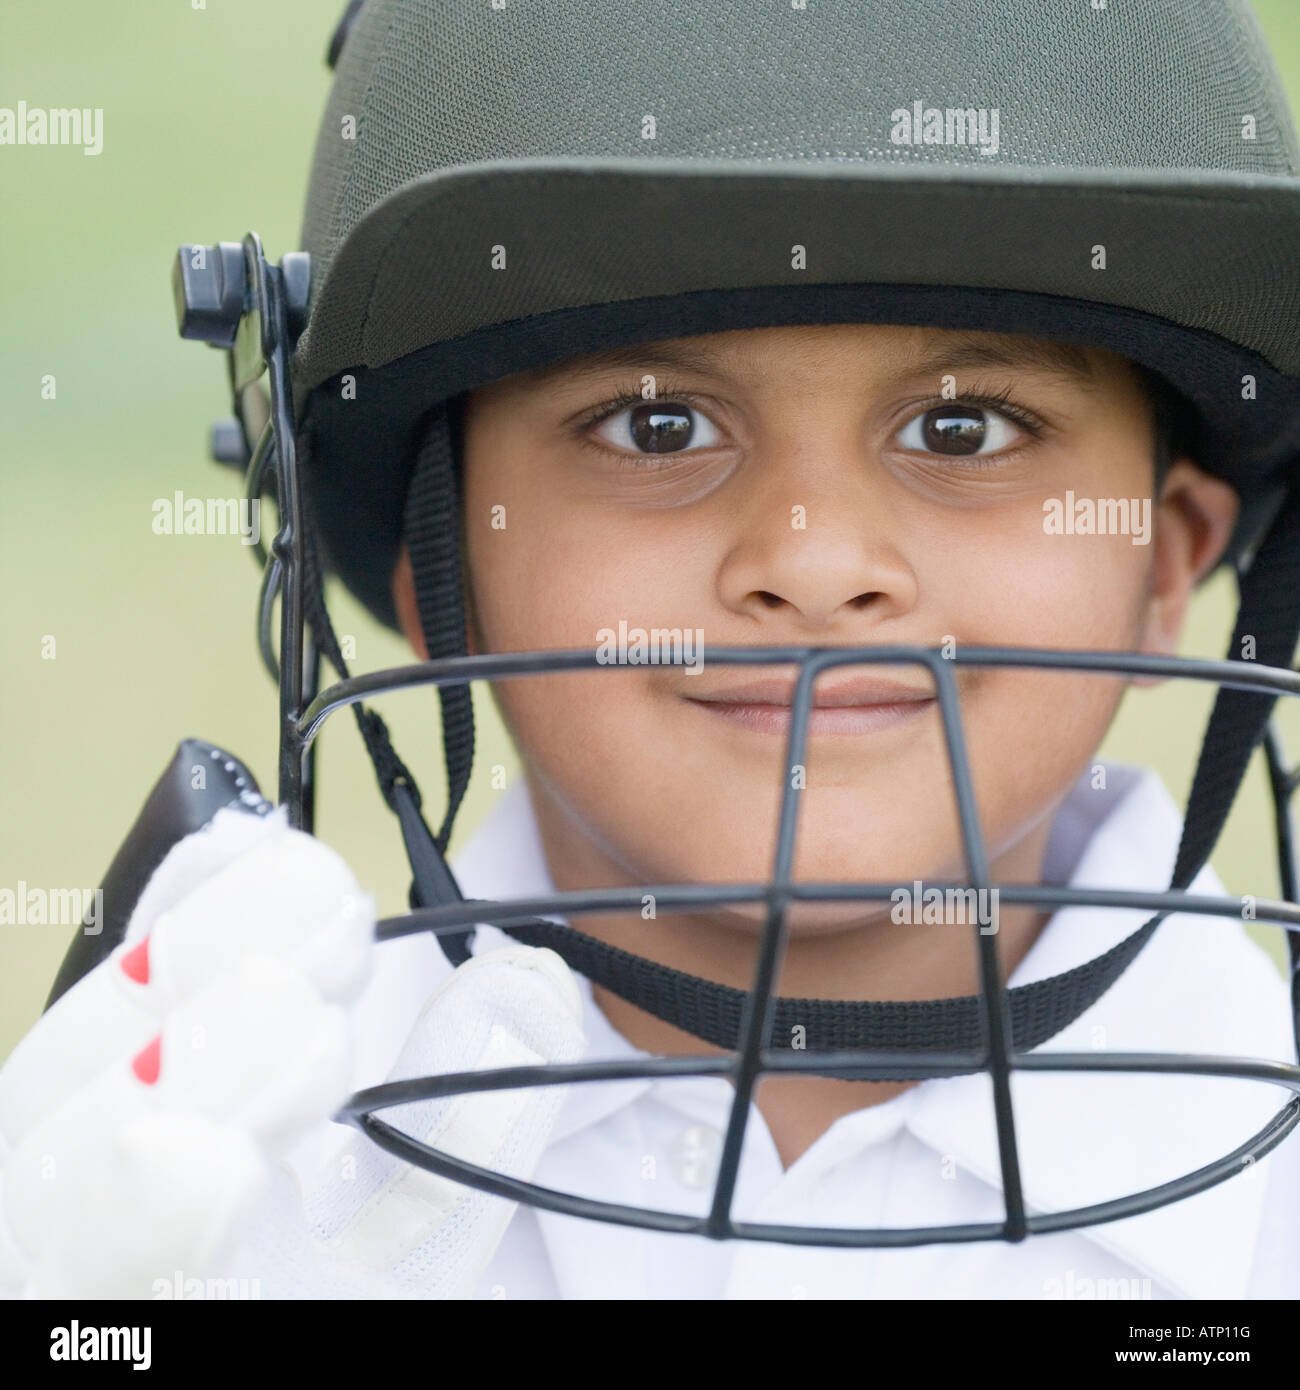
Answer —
(1198, 986)
(504, 860)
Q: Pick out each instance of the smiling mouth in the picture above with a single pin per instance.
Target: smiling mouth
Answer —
(849, 707)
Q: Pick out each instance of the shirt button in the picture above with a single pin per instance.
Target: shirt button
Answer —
(695, 1155)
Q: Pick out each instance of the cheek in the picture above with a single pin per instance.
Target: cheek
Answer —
(552, 576)
(1028, 588)
(551, 572)
(1031, 732)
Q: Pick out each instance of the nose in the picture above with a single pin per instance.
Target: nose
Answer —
(816, 550)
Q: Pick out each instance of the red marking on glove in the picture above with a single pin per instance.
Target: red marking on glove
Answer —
(135, 964)
(147, 1061)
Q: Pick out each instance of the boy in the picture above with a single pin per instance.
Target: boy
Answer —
(873, 458)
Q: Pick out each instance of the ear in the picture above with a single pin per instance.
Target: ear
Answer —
(1193, 524)
(408, 611)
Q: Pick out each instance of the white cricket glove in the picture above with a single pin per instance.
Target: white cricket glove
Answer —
(144, 1119)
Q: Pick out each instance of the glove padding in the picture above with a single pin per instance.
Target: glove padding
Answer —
(143, 1120)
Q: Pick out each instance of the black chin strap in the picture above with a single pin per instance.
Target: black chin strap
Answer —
(1268, 625)
(432, 529)
(433, 882)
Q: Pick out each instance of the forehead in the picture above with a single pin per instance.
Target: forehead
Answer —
(760, 354)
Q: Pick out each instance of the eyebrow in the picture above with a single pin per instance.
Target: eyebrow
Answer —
(673, 356)
(1042, 356)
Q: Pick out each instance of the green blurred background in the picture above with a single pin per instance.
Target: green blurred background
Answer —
(210, 116)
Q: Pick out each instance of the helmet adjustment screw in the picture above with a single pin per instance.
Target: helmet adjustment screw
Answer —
(209, 290)
(226, 442)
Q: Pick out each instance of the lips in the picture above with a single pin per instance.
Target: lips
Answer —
(856, 706)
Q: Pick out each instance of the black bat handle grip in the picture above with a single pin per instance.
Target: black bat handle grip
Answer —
(199, 781)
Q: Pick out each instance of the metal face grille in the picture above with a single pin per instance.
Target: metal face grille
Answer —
(754, 1057)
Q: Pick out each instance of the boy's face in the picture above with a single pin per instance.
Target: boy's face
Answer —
(829, 486)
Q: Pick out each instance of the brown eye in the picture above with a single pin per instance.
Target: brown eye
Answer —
(658, 427)
(948, 431)
(661, 429)
(956, 430)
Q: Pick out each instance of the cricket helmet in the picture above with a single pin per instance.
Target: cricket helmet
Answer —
(504, 186)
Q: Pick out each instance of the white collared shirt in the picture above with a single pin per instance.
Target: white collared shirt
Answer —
(928, 1156)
